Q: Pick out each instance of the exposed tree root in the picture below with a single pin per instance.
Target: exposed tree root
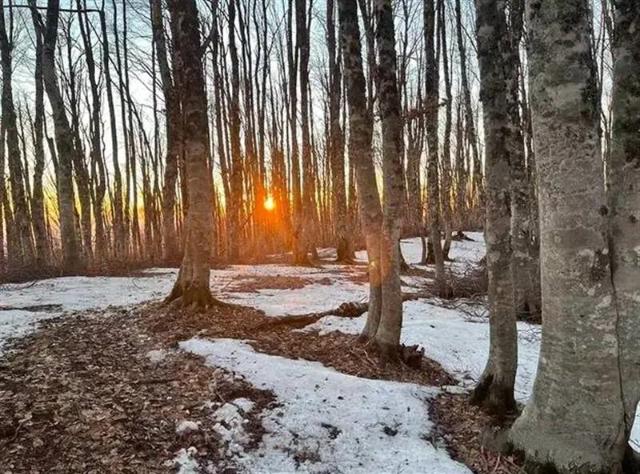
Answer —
(345, 310)
(195, 297)
(494, 397)
(460, 235)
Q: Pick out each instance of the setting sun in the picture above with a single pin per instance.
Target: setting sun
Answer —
(269, 203)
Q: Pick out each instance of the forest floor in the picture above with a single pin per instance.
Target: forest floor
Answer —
(96, 375)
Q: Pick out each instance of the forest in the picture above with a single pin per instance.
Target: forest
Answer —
(274, 236)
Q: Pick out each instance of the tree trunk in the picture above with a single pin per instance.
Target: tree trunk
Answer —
(71, 247)
(477, 191)
(575, 418)
(432, 79)
(495, 388)
(388, 336)
(19, 197)
(172, 126)
(235, 206)
(344, 248)
(624, 199)
(192, 285)
(118, 224)
(361, 155)
(37, 203)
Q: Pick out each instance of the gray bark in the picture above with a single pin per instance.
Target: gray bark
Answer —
(192, 285)
(361, 155)
(574, 420)
(624, 199)
(432, 99)
(71, 247)
(19, 198)
(499, 103)
(388, 335)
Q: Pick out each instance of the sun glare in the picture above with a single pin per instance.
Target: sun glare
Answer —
(269, 203)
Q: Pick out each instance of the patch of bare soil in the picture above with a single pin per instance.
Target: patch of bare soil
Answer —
(343, 352)
(471, 435)
(83, 395)
(250, 283)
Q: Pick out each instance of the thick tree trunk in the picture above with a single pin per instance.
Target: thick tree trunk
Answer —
(192, 285)
(388, 335)
(624, 199)
(575, 419)
(361, 155)
(495, 388)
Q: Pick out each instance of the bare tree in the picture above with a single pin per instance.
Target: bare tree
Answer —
(192, 285)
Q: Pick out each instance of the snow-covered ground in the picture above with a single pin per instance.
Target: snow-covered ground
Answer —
(459, 342)
(332, 422)
(327, 421)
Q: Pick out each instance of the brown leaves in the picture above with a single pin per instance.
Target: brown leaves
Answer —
(81, 395)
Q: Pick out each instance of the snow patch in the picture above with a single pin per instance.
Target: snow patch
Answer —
(331, 422)
(157, 355)
(186, 427)
(185, 461)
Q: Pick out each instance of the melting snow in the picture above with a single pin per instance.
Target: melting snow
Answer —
(332, 422)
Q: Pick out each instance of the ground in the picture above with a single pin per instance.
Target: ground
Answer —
(97, 376)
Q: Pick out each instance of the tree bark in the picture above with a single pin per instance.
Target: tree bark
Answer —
(19, 198)
(388, 335)
(172, 127)
(344, 248)
(624, 199)
(432, 99)
(575, 418)
(495, 388)
(71, 247)
(361, 155)
(192, 285)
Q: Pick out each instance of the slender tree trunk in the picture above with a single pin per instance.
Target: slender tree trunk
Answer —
(477, 191)
(118, 212)
(575, 418)
(432, 79)
(446, 142)
(388, 335)
(523, 268)
(37, 204)
(172, 126)
(361, 155)
(236, 192)
(19, 196)
(71, 247)
(97, 160)
(336, 148)
(499, 99)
